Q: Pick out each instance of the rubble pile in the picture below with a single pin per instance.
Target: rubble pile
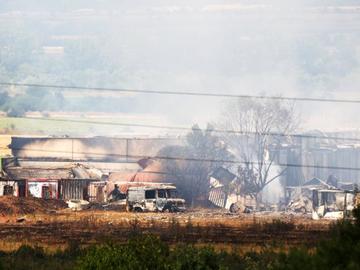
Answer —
(11, 205)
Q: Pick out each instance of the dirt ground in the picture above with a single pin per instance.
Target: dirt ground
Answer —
(60, 227)
(10, 205)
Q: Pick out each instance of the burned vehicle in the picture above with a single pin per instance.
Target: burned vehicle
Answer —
(154, 198)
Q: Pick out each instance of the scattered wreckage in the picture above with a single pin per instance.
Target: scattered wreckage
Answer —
(225, 192)
(85, 187)
(321, 199)
(332, 204)
(78, 204)
(139, 197)
(316, 197)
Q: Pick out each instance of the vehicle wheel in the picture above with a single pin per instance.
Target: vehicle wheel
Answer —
(234, 208)
(128, 208)
(166, 209)
(138, 209)
(302, 210)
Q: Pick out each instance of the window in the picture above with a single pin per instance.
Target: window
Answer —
(150, 194)
(161, 193)
(46, 192)
(172, 193)
(8, 190)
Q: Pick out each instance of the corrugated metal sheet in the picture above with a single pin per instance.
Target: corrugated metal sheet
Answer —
(223, 175)
(18, 173)
(74, 189)
(217, 196)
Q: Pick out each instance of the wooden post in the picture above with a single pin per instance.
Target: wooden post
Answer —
(345, 203)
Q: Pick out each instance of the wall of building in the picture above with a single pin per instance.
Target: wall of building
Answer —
(341, 161)
(95, 148)
(36, 189)
(8, 183)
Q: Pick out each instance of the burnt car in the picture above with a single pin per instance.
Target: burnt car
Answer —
(153, 199)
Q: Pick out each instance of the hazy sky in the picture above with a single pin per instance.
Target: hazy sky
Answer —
(288, 48)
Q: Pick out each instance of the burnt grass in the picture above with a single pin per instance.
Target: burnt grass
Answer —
(90, 230)
(171, 243)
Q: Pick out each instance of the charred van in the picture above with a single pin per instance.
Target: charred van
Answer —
(154, 198)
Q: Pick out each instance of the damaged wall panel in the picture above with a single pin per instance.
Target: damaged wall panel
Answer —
(74, 189)
(46, 189)
(8, 187)
(94, 148)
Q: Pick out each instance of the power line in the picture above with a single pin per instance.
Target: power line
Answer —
(174, 158)
(182, 93)
(240, 132)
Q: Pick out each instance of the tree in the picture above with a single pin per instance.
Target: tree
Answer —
(260, 126)
(4, 97)
(190, 165)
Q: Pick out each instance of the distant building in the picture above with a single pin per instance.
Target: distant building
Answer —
(321, 158)
(53, 50)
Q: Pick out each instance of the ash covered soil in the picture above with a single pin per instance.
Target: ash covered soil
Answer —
(48, 223)
(11, 205)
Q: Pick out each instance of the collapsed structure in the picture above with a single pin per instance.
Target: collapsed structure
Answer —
(78, 168)
(89, 168)
(321, 198)
(71, 181)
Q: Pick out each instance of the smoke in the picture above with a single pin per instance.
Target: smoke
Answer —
(274, 191)
(288, 48)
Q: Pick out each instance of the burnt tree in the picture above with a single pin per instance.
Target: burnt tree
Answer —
(257, 130)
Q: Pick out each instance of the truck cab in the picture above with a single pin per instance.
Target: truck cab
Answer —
(153, 199)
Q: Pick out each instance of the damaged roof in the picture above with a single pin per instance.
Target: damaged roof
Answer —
(317, 183)
(223, 175)
(19, 173)
(77, 171)
(152, 173)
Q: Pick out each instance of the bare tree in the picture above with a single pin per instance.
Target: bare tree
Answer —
(262, 125)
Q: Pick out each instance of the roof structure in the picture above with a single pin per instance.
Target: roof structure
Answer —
(19, 173)
(152, 173)
(73, 171)
(317, 183)
(223, 175)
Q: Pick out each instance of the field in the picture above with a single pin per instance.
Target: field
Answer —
(58, 229)
(37, 124)
(11, 125)
(44, 234)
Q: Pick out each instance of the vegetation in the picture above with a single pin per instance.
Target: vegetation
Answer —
(27, 257)
(342, 251)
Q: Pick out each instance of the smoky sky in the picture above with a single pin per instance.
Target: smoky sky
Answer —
(287, 48)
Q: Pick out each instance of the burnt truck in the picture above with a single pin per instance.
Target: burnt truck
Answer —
(152, 198)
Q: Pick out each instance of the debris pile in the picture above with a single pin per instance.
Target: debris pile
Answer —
(11, 205)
